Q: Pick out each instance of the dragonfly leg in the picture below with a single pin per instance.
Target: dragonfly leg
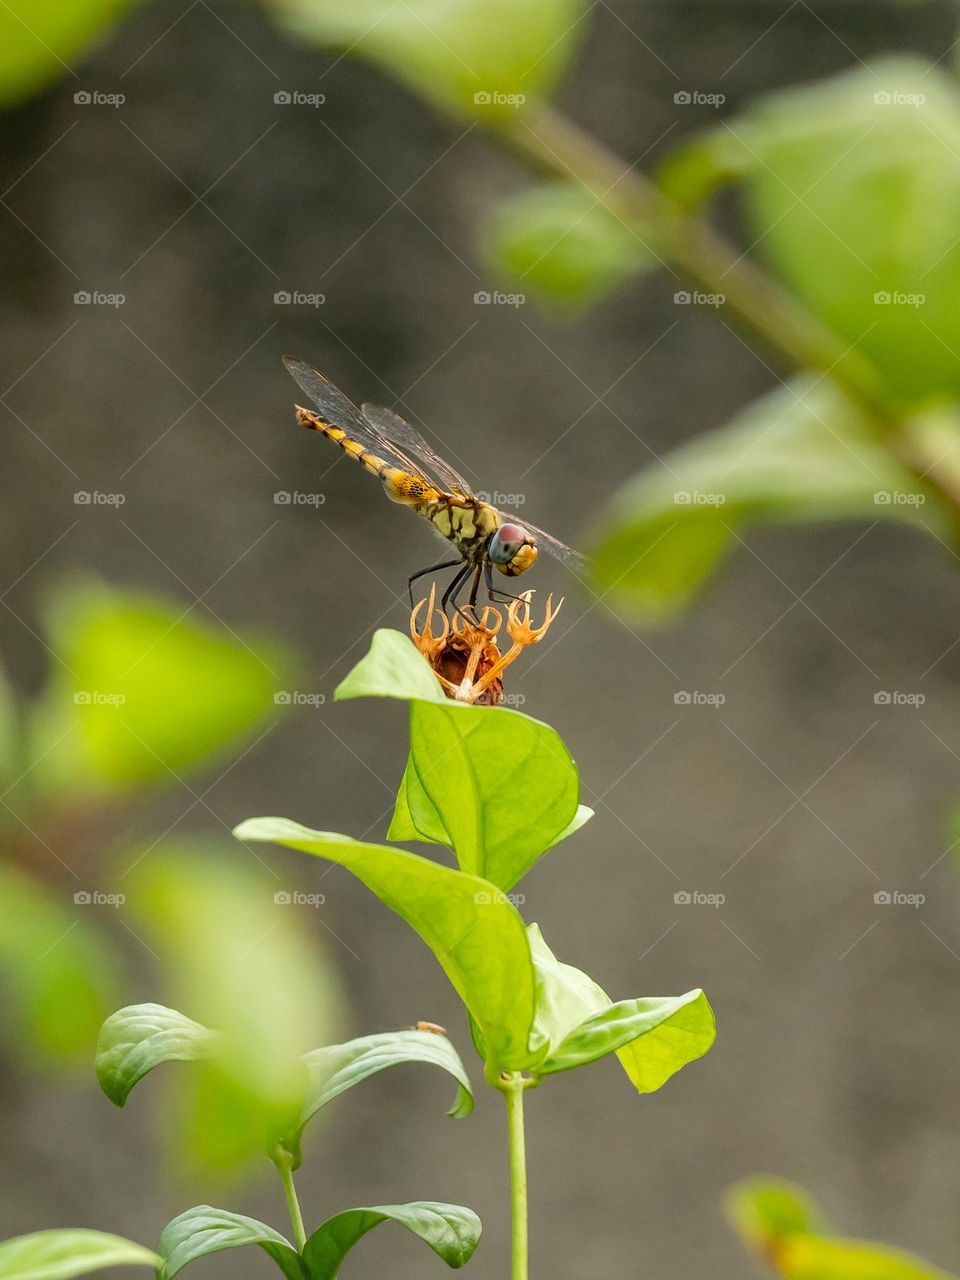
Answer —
(455, 585)
(469, 614)
(444, 564)
(498, 597)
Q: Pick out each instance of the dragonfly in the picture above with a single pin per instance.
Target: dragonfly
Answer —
(414, 475)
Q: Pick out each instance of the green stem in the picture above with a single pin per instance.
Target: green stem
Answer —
(285, 1169)
(513, 1090)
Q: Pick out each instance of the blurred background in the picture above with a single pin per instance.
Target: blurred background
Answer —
(177, 162)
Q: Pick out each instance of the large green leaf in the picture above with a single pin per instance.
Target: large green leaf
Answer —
(61, 969)
(799, 454)
(60, 1255)
(653, 1036)
(450, 1230)
(855, 201)
(39, 42)
(146, 690)
(499, 787)
(204, 1230)
(476, 934)
(140, 1037)
(559, 244)
(469, 56)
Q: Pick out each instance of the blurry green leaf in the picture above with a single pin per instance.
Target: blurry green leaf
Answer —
(59, 1255)
(474, 931)
(800, 453)
(558, 243)
(700, 165)
(62, 970)
(855, 201)
(818, 1258)
(203, 1230)
(763, 1209)
(497, 786)
(468, 56)
(239, 957)
(152, 691)
(653, 1037)
(450, 1230)
(40, 43)
(140, 1037)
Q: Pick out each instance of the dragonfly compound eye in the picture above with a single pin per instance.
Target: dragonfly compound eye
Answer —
(506, 542)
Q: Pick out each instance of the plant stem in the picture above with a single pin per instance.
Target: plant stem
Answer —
(285, 1170)
(513, 1090)
(549, 140)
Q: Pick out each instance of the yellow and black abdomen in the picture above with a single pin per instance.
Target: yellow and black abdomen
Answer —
(399, 485)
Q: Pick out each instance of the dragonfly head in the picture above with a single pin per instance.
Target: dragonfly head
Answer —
(512, 550)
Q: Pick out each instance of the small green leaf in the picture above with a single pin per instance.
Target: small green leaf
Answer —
(60, 1255)
(467, 56)
(495, 785)
(138, 1038)
(802, 1257)
(801, 453)
(692, 173)
(654, 1036)
(391, 669)
(763, 1209)
(204, 1230)
(335, 1068)
(560, 244)
(474, 931)
(450, 1230)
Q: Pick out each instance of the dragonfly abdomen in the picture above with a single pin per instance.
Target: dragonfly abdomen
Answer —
(400, 486)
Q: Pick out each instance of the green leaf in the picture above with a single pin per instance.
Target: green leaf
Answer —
(61, 969)
(799, 454)
(204, 1230)
(497, 786)
(655, 1036)
(693, 172)
(558, 243)
(38, 42)
(140, 1037)
(468, 56)
(450, 1230)
(819, 1258)
(338, 1067)
(854, 202)
(764, 1209)
(245, 963)
(146, 691)
(476, 934)
(59, 1255)
(392, 668)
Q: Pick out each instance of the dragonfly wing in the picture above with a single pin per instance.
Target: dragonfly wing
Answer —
(559, 550)
(338, 410)
(397, 430)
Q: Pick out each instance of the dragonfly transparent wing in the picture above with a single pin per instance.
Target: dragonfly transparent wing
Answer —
(398, 430)
(559, 550)
(338, 410)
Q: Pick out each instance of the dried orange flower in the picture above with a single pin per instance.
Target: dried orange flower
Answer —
(464, 653)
